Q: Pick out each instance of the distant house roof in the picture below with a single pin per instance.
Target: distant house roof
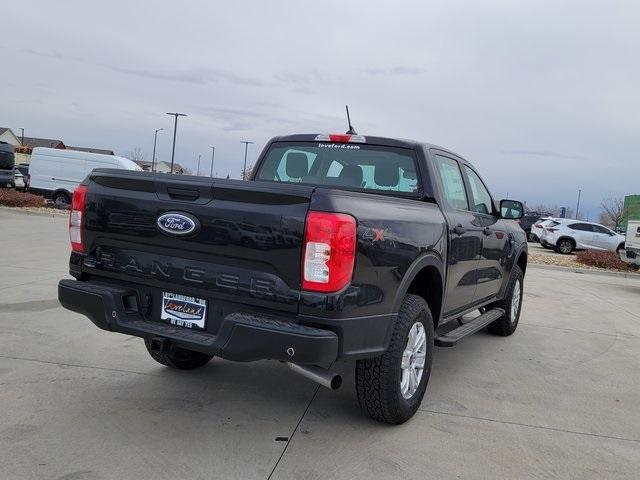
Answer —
(177, 168)
(91, 150)
(143, 164)
(16, 140)
(34, 142)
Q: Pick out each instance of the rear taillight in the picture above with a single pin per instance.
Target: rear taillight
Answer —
(551, 229)
(537, 225)
(75, 218)
(329, 251)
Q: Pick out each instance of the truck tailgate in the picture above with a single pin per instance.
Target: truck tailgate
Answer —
(246, 246)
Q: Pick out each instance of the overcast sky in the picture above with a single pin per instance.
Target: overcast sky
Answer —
(543, 97)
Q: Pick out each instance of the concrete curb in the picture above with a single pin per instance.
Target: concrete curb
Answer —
(542, 266)
(23, 211)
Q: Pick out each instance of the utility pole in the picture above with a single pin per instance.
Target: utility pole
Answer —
(578, 204)
(244, 170)
(198, 172)
(175, 127)
(213, 152)
(153, 157)
(22, 137)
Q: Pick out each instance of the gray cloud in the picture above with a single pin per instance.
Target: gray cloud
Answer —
(396, 71)
(546, 153)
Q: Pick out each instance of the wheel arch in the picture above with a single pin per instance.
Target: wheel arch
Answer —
(62, 190)
(522, 261)
(425, 278)
(567, 237)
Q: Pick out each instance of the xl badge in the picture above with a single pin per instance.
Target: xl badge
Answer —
(179, 224)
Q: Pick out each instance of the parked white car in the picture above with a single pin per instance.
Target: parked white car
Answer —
(631, 252)
(19, 180)
(537, 227)
(55, 173)
(566, 235)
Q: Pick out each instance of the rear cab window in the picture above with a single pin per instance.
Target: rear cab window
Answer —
(363, 167)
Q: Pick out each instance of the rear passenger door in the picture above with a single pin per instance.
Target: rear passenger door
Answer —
(583, 234)
(496, 241)
(465, 235)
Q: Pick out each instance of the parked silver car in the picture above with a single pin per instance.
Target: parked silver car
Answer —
(566, 235)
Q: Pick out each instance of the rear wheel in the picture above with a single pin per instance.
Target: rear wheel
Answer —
(390, 387)
(565, 246)
(511, 304)
(179, 358)
(62, 199)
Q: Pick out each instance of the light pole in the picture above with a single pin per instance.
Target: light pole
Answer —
(153, 157)
(578, 204)
(175, 126)
(198, 172)
(213, 152)
(244, 170)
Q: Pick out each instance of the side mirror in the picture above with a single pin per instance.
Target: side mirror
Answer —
(511, 209)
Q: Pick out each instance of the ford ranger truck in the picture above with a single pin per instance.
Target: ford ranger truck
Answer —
(339, 247)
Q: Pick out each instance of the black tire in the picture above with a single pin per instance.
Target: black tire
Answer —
(565, 246)
(378, 379)
(505, 325)
(61, 199)
(179, 358)
(620, 247)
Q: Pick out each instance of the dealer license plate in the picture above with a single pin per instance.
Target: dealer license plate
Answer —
(183, 311)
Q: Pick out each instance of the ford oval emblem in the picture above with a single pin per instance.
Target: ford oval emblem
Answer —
(176, 223)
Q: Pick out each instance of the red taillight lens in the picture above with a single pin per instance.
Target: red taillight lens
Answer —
(75, 218)
(341, 138)
(329, 251)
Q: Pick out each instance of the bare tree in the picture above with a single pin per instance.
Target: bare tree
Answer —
(246, 174)
(136, 154)
(612, 211)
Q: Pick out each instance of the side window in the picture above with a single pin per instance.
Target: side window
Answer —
(482, 202)
(600, 229)
(583, 227)
(452, 182)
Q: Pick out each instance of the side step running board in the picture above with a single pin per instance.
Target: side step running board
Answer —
(449, 339)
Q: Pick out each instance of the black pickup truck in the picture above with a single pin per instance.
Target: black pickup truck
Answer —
(339, 247)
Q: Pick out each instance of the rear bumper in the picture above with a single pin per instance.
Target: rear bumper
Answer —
(630, 255)
(241, 336)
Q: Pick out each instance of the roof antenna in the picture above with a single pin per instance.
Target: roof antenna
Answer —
(351, 130)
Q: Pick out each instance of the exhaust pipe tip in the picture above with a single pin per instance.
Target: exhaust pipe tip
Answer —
(324, 377)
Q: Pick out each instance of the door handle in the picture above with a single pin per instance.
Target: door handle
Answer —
(486, 231)
(459, 230)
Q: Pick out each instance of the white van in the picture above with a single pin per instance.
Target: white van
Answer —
(631, 251)
(55, 173)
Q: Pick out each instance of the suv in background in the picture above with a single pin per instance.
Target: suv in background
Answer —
(538, 227)
(527, 222)
(7, 163)
(566, 235)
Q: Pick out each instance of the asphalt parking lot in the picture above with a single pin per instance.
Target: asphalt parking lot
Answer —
(559, 399)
